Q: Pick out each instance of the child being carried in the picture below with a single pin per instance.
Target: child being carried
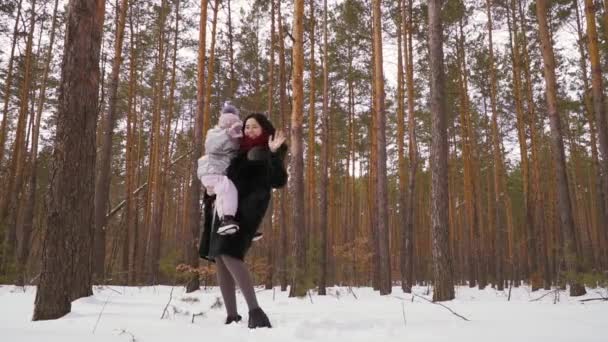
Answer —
(221, 145)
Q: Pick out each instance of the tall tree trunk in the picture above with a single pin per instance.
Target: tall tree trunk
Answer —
(284, 192)
(154, 212)
(310, 217)
(499, 189)
(8, 83)
(23, 245)
(133, 244)
(9, 204)
(381, 185)
(298, 287)
(102, 184)
(412, 148)
(470, 173)
(520, 116)
(323, 174)
(402, 200)
(557, 151)
(538, 259)
(210, 72)
(442, 266)
(599, 108)
(66, 261)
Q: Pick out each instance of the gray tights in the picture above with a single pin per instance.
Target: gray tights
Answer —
(229, 270)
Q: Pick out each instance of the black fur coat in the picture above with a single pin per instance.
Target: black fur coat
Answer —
(254, 174)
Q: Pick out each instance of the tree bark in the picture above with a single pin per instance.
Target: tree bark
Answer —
(8, 83)
(66, 261)
(442, 266)
(102, 184)
(558, 155)
(23, 246)
(381, 185)
(298, 287)
(323, 174)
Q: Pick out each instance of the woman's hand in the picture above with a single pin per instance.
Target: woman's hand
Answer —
(274, 142)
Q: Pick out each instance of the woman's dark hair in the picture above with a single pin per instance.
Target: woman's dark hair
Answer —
(266, 125)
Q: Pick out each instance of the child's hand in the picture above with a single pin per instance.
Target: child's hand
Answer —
(236, 130)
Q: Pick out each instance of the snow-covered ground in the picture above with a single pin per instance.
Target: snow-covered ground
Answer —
(134, 314)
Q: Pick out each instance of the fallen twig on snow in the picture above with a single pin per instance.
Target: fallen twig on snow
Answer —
(196, 315)
(437, 303)
(592, 299)
(546, 294)
(100, 313)
(124, 332)
(169, 302)
(350, 289)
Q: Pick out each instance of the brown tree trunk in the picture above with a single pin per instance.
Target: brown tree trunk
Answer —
(499, 189)
(23, 246)
(470, 173)
(323, 174)
(154, 211)
(133, 244)
(557, 150)
(284, 192)
(66, 262)
(102, 184)
(402, 201)
(8, 83)
(298, 287)
(599, 108)
(310, 216)
(442, 266)
(384, 267)
(9, 203)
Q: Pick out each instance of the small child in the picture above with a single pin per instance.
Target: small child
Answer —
(221, 145)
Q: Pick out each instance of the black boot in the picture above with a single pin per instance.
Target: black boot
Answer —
(231, 319)
(258, 319)
(228, 225)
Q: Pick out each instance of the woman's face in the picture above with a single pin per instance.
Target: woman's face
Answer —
(252, 128)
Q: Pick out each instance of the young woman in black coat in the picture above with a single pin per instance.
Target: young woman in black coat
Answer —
(255, 171)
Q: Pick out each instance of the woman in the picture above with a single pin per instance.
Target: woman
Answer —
(257, 168)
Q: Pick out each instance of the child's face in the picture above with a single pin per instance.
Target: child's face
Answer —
(252, 128)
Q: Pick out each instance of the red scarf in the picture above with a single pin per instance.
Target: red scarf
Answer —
(248, 143)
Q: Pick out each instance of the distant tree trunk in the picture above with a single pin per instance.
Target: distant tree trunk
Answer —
(442, 266)
(154, 213)
(413, 148)
(323, 174)
(9, 203)
(23, 246)
(310, 216)
(132, 244)
(210, 72)
(538, 261)
(284, 192)
(66, 253)
(381, 185)
(102, 184)
(8, 83)
(470, 172)
(599, 107)
(499, 189)
(298, 286)
(557, 150)
(520, 117)
(231, 48)
(194, 193)
(401, 148)
(271, 210)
